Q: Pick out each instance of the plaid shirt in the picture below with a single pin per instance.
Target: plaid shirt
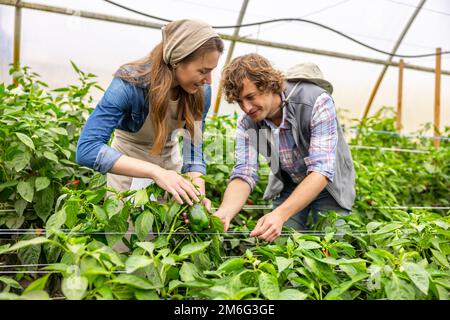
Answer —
(322, 149)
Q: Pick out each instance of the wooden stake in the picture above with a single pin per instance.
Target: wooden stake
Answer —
(437, 98)
(400, 95)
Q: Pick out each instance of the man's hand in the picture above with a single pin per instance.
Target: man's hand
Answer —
(225, 218)
(268, 227)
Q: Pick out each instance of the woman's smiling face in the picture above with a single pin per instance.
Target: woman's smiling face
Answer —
(195, 74)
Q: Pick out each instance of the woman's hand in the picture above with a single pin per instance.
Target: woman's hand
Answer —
(207, 203)
(179, 187)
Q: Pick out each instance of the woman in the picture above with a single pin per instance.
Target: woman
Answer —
(146, 102)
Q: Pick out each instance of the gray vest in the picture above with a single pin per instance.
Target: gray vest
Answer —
(299, 109)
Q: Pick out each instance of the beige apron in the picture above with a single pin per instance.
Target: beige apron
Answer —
(138, 144)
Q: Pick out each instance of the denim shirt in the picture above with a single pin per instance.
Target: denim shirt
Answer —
(123, 106)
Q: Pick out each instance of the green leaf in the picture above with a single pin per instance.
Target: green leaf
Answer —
(50, 156)
(100, 214)
(146, 295)
(56, 221)
(134, 281)
(141, 198)
(41, 183)
(147, 246)
(26, 190)
(108, 253)
(95, 196)
(268, 267)
(35, 295)
(97, 180)
(418, 275)
(173, 210)
(191, 284)
(59, 130)
(116, 228)
(373, 225)
(244, 292)
(398, 289)
(10, 282)
(268, 285)
(25, 243)
(61, 90)
(231, 265)
(134, 263)
(440, 257)
(8, 184)
(389, 228)
(398, 242)
(111, 206)
(322, 270)
(144, 224)
(26, 140)
(74, 66)
(189, 272)
(15, 222)
(308, 245)
(336, 292)
(66, 153)
(292, 294)
(91, 266)
(38, 284)
(58, 267)
(283, 263)
(169, 261)
(52, 252)
(20, 206)
(21, 159)
(10, 296)
(193, 248)
(29, 254)
(74, 287)
(44, 203)
(216, 224)
(72, 209)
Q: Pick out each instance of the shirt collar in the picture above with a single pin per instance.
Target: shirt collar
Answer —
(284, 124)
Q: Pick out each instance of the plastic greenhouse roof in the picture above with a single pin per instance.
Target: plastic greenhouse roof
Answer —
(50, 41)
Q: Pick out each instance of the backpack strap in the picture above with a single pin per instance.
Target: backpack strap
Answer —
(290, 94)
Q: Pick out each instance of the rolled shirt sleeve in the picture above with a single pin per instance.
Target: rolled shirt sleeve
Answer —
(246, 155)
(92, 147)
(324, 138)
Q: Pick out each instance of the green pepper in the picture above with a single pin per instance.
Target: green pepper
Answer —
(198, 217)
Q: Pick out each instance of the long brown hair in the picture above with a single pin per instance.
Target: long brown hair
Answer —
(160, 76)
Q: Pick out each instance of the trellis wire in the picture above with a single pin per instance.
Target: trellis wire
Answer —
(269, 207)
(237, 233)
(410, 136)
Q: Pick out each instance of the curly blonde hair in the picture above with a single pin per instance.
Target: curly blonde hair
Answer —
(255, 68)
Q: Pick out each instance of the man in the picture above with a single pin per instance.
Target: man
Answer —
(292, 122)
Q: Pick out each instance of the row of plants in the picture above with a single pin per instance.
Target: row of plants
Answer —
(404, 259)
(39, 129)
(375, 253)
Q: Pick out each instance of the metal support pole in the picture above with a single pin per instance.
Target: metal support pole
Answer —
(437, 98)
(230, 53)
(400, 95)
(271, 44)
(17, 34)
(399, 41)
